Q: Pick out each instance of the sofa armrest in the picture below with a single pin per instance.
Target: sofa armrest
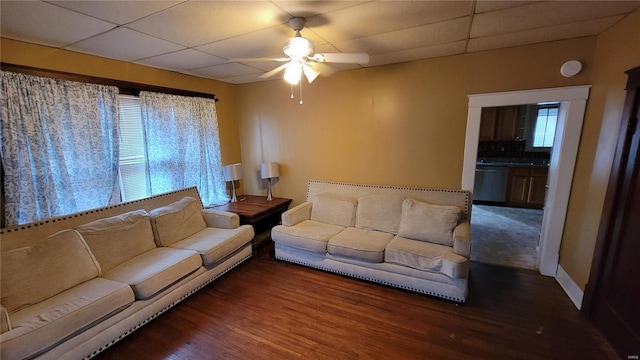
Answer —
(462, 239)
(220, 219)
(5, 323)
(297, 214)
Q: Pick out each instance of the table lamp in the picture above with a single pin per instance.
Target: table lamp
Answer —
(232, 173)
(269, 171)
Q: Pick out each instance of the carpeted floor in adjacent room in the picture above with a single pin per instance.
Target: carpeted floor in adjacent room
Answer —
(505, 236)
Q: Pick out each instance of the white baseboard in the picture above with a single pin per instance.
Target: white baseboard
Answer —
(569, 286)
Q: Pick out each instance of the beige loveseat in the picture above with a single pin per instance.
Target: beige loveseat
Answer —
(73, 286)
(413, 238)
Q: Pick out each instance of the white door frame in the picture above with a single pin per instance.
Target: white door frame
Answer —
(573, 101)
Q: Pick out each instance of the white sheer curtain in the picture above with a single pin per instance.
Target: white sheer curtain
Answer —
(59, 146)
(183, 145)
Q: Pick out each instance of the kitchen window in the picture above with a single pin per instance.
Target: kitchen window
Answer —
(545, 126)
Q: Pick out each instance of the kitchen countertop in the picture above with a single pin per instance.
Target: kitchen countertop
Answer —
(512, 163)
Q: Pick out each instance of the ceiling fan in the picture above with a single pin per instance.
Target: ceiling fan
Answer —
(301, 58)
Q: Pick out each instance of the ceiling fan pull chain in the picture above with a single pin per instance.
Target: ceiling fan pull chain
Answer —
(291, 91)
(301, 102)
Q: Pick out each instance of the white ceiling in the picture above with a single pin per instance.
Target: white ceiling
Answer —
(199, 37)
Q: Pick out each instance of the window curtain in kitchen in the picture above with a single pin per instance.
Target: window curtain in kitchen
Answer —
(59, 146)
(183, 145)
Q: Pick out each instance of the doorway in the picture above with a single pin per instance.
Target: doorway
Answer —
(561, 165)
(512, 166)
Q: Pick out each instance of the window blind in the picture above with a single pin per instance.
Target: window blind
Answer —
(133, 183)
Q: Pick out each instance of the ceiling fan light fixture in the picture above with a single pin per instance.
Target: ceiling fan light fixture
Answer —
(310, 73)
(298, 47)
(293, 73)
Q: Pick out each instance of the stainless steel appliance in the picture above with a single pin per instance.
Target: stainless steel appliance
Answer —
(491, 183)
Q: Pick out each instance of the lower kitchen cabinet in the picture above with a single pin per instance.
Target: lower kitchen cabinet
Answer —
(527, 187)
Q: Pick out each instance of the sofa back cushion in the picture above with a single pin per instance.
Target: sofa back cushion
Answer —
(428, 222)
(116, 239)
(177, 221)
(35, 273)
(379, 212)
(334, 210)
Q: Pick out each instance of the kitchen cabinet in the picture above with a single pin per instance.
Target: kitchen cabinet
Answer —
(488, 123)
(527, 186)
(501, 123)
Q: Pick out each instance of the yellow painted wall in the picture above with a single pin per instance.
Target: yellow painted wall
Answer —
(616, 51)
(20, 53)
(401, 124)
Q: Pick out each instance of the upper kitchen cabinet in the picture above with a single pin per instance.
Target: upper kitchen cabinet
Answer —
(502, 123)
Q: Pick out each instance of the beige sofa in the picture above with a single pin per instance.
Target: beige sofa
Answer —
(412, 238)
(73, 286)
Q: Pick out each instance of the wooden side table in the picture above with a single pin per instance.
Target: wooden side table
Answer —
(258, 212)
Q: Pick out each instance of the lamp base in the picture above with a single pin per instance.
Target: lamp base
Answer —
(269, 196)
(234, 198)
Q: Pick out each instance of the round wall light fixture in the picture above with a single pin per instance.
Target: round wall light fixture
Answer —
(571, 68)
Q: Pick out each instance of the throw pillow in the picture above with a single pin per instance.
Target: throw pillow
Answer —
(379, 212)
(334, 210)
(428, 222)
(177, 221)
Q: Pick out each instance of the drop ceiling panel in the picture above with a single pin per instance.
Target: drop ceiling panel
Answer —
(311, 8)
(223, 71)
(484, 6)
(118, 12)
(380, 17)
(138, 45)
(45, 24)
(201, 22)
(182, 60)
(417, 37)
(261, 43)
(558, 32)
(426, 52)
(544, 14)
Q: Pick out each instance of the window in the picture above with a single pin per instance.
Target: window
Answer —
(133, 181)
(545, 125)
(169, 142)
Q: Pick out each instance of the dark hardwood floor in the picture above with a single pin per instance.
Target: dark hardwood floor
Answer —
(267, 309)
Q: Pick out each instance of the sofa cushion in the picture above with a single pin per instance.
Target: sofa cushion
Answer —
(176, 221)
(379, 212)
(155, 269)
(42, 326)
(428, 222)
(426, 256)
(55, 264)
(334, 210)
(213, 244)
(308, 235)
(365, 245)
(117, 239)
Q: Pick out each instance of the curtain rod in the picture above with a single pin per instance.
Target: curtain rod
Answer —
(126, 87)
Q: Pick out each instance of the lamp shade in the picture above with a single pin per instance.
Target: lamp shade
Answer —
(269, 170)
(232, 172)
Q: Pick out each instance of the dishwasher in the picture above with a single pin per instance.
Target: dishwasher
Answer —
(490, 183)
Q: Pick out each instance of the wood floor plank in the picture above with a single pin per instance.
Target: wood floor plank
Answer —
(267, 309)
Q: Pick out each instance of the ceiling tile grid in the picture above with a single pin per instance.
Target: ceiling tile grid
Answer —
(202, 38)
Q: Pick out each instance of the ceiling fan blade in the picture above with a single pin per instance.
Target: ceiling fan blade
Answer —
(258, 59)
(344, 58)
(274, 71)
